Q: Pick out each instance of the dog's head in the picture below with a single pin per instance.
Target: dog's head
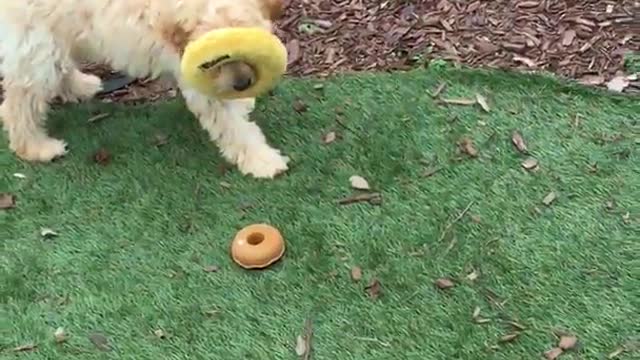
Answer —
(215, 14)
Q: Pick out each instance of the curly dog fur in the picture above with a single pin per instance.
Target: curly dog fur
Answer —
(43, 41)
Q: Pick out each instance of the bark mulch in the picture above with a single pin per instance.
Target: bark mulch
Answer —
(579, 39)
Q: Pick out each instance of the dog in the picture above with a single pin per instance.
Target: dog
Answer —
(43, 41)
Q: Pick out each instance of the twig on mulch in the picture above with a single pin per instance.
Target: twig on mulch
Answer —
(373, 198)
(458, 218)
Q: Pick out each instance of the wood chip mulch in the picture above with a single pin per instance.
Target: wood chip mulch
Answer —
(577, 39)
(572, 38)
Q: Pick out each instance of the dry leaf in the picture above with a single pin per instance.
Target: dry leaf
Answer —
(482, 101)
(374, 288)
(509, 337)
(517, 325)
(444, 283)
(431, 171)
(476, 312)
(567, 342)
(211, 268)
(473, 275)
(480, 320)
(97, 117)
(160, 334)
(47, 233)
(25, 347)
(102, 157)
(160, 140)
(518, 141)
(356, 273)
(615, 353)
(591, 80)
(100, 341)
(618, 84)
(530, 164)
(459, 101)
(59, 335)
(301, 346)
(299, 106)
(475, 218)
(550, 198)
(524, 60)
(467, 146)
(329, 137)
(359, 183)
(7, 201)
(20, 175)
(553, 353)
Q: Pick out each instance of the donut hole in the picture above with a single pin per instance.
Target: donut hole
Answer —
(255, 238)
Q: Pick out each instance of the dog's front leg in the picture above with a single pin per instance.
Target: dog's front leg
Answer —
(241, 141)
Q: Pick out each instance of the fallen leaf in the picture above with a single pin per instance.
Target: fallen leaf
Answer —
(301, 346)
(102, 157)
(59, 335)
(20, 175)
(160, 140)
(7, 201)
(25, 347)
(518, 141)
(211, 268)
(524, 60)
(444, 283)
(550, 198)
(160, 334)
(480, 320)
(47, 233)
(476, 312)
(482, 101)
(439, 90)
(473, 275)
(591, 80)
(517, 325)
(329, 137)
(615, 353)
(509, 337)
(359, 183)
(431, 171)
(299, 106)
(100, 341)
(98, 117)
(467, 146)
(465, 102)
(553, 353)
(374, 288)
(318, 86)
(212, 312)
(356, 273)
(567, 342)
(530, 164)
(618, 83)
(475, 218)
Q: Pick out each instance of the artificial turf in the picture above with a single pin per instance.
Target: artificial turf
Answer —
(136, 233)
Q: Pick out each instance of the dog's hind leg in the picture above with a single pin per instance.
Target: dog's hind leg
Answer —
(33, 75)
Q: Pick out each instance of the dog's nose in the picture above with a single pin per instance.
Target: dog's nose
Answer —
(242, 83)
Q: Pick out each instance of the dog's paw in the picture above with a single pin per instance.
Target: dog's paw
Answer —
(45, 149)
(264, 162)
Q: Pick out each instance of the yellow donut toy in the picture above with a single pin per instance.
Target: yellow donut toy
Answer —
(257, 47)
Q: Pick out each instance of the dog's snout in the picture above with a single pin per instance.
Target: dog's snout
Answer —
(242, 83)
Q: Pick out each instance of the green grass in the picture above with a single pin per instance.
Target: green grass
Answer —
(135, 234)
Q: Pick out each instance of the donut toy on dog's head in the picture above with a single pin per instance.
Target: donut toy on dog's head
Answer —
(256, 48)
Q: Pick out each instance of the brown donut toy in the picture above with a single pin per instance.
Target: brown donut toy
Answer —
(257, 246)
